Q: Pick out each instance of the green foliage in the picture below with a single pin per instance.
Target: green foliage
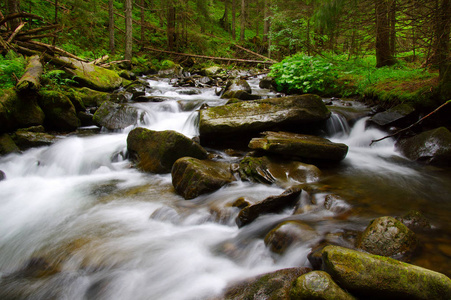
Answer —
(11, 65)
(304, 74)
(58, 78)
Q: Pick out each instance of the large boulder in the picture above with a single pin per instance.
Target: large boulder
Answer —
(86, 97)
(241, 95)
(157, 151)
(18, 112)
(114, 116)
(299, 146)
(271, 204)
(431, 147)
(29, 139)
(270, 286)
(318, 285)
(400, 115)
(260, 115)
(7, 144)
(371, 276)
(284, 173)
(388, 237)
(289, 233)
(60, 114)
(93, 76)
(192, 177)
(237, 85)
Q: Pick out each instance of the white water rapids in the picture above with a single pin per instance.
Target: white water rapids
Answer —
(104, 230)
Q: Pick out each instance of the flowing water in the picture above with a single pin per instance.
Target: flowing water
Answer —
(77, 222)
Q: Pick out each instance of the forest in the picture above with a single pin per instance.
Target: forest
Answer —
(392, 50)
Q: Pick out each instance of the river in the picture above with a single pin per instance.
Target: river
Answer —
(78, 222)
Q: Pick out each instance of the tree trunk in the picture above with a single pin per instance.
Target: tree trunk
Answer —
(233, 19)
(392, 15)
(111, 25)
(384, 56)
(13, 7)
(443, 28)
(224, 21)
(171, 25)
(142, 21)
(242, 19)
(128, 30)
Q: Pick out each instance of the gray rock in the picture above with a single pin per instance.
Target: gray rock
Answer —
(395, 116)
(7, 144)
(115, 116)
(289, 233)
(27, 139)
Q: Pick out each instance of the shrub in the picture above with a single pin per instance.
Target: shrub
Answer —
(11, 65)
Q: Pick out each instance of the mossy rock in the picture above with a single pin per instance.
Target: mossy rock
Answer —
(284, 173)
(259, 115)
(289, 233)
(388, 237)
(318, 285)
(87, 97)
(93, 76)
(29, 139)
(430, 147)
(240, 94)
(157, 151)
(17, 112)
(60, 113)
(115, 116)
(7, 144)
(300, 146)
(269, 286)
(369, 276)
(213, 70)
(192, 177)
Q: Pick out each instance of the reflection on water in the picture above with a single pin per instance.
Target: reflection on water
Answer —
(78, 223)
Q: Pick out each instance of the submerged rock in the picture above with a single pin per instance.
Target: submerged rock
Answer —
(281, 172)
(299, 146)
(156, 151)
(260, 115)
(318, 285)
(289, 233)
(431, 147)
(270, 286)
(115, 116)
(415, 221)
(375, 277)
(192, 177)
(2, 175)
(271, 204)
(388, 237)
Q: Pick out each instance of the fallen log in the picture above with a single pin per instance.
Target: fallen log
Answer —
(255, 53)
(31, 78)
(211, 57)
(100, 60)
(47, 57)
(19, 15)
(4, 44)
(25, 38)
(16, 31)
(46, 47)
(36, 30)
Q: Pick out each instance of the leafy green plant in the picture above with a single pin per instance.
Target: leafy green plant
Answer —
(304, 74)
(11, 65)
(59, 78)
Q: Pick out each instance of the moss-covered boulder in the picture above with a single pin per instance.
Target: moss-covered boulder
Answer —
(371, 276)
(318, 285)
(93, 76)
(210, 71)
(114, 116)
(86, 97)
(290, 233)
(237, 84)
(301, 146)
(260, 115)
(192, 177)
(270, 286)
(29, 139)
(7, 144)
(18, 112)
(284, 173)
(388, 237)
(431, 147)
(241, 95)
(157, 151)
(60, 114)
(272, 204)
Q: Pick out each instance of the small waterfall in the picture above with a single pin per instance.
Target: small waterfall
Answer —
(337, 125)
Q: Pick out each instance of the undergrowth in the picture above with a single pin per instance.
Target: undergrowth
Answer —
(12, 66)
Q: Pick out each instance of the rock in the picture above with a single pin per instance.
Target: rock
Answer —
(213, 70)
(192, 177)
(175, 71)
(242, 95)
(115, 116)
(87, 97)
(93, 76)
(238, 85)
(374, 277)
(127, 75)
(28, 139)
(260, 115)
(156, 151)
(336, 204)
(388, 237)
(318, 285)
(299, 146)
(18, 112)
(400, 115)
(415, 221)
(60, 114)
(431, 147)
(267, 83)
(2, 175)
(7, 144)
(271, 204)
(281, 172)
(270, 286)
(289, 233)
(85, 118)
